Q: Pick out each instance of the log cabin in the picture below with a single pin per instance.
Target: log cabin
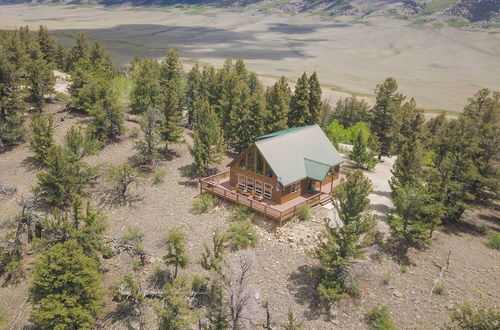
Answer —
(281, 172)
(286, 164)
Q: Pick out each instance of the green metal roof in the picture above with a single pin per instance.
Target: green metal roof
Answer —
(298, 153)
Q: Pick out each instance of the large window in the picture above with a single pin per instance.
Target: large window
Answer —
(250, 184)
(269, 172)
(268, 191)
(243, 162)
(260, 164)
(251, 159)
(258, 188)
(241, 181)
(294, 187)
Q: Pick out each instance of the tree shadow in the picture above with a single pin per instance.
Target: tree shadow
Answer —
(302, 284)
(31, 163)
(461, 227)
(190, 173)
(169, 154)
(382, 193)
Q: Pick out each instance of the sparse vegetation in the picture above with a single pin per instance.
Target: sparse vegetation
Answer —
(304, 213)
(493, 240)
(159, 177)
(241, 234)
(466, 317)
(380, 319)
(204, 203)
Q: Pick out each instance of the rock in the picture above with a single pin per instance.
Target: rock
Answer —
(291, 239)
(335, 322)
(398, 294)
(333, 313)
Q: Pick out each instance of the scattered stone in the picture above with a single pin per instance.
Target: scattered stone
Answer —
(397, 294)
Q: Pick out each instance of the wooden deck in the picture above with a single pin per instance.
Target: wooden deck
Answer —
(219, 185)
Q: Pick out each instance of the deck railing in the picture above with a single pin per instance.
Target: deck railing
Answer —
(211, 184)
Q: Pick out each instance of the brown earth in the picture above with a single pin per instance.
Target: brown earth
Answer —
(281, 252)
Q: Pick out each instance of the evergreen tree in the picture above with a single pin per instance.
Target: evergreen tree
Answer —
(384, 115)
(299, 105)
(315, 103)
(171, 84)
(408, 168)
(42, 135)
(176, 252)
(107, 112)
(47, 44)
(361, 154)
(176, 314)
(216, 314)
(194, 92)
(350, 111)
(65, 291)
(277, 106)
(245, 118)
(62, 179)
(208, 139)
(40, 78)
(11, 104)
(79, 51)
(148, 147)
(145, 86)
(84, 87)
(342, 242)
(99, 59)
(61, 57)
(411, 123)
(79, 142)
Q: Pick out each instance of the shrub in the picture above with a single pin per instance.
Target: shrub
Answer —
(468, 318)
(380, 319)
(242, 213)
(241, 235)
(304, 213)
(204, 202)
(439, 289)
(159, 177)
(134, 132)
(387, 278)
(493, 241)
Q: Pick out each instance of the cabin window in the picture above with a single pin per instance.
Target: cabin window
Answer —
(243, 162)
(268, 191)
(251, 159)
(260, 164)
(269, 172)
(250, 183)
(241, 181)
(258, 188)
(294, 187)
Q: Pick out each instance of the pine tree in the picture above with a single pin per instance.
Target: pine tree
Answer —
(11, 104)
(176, 252)
(47, 44)
(171, 85)
(62, 179)
(216, 310)
(315, 103)
(148, 147)
(40, 78)
(245, 118)
(42, 135)
(61, 57)
(194, 92)
(299, 105)
(277, 106)
(350, 111)
(384, 115)
(65, 291)
(107, 113)
(80, 50)
(361, 154)
(411, 123)
(342, 242)
(99, 59)
(80, 143)
(146, 86)
(175, 314)
(208, 138)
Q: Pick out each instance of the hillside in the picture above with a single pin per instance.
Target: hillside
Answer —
(459, 12)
